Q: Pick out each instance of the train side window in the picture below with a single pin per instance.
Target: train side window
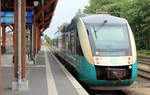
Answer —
(78, 46)
(72, 41)
(66, 41)
(63, 41)
(69, 41)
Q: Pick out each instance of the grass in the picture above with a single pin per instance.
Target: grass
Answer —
(145, 53)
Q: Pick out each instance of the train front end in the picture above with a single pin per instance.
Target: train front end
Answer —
(109, 51)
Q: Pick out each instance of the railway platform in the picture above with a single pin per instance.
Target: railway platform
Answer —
(47, 77)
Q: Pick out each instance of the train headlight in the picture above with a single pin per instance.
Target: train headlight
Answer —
(130, 60)
(130, 67)
(97, 60)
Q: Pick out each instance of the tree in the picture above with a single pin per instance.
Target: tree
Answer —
(48, 39)
(96, 5)
(79, 12)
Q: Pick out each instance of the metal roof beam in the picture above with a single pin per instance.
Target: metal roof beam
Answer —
(43, 9)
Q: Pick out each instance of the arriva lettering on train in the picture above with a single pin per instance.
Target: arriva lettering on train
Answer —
(113, 62)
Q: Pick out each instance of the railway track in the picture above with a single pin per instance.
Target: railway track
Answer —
(107, 92)
(144, 60)
(144, 67)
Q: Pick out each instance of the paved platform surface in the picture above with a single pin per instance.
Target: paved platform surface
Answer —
(46, 77)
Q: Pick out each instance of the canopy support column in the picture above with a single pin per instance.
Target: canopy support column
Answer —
(20, 84)
(0, 56)
(31, 43)
(3, 39)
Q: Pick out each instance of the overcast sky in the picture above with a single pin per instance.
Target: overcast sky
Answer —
(65, 11)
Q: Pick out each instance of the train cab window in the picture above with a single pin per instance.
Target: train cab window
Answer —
(110, 40)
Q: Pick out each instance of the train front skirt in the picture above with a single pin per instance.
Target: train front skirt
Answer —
(87, 74)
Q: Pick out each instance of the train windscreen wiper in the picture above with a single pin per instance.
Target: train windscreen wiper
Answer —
(105, 21)
(95, 31)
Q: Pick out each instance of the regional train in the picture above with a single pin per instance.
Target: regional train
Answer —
(100, 47)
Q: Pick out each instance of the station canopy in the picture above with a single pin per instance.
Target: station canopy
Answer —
(40, 11)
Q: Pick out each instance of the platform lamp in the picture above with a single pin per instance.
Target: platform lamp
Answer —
(36, 3)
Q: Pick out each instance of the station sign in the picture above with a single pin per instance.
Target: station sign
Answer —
(8, 17)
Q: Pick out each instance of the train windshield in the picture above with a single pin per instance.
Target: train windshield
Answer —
(109, 40)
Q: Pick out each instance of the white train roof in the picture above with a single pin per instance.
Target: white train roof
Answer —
(100, 18)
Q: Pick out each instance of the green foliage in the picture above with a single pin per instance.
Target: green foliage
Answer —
(79, 12)
(145, 53)
(48, 39)
(137, 12)
(96, 5)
